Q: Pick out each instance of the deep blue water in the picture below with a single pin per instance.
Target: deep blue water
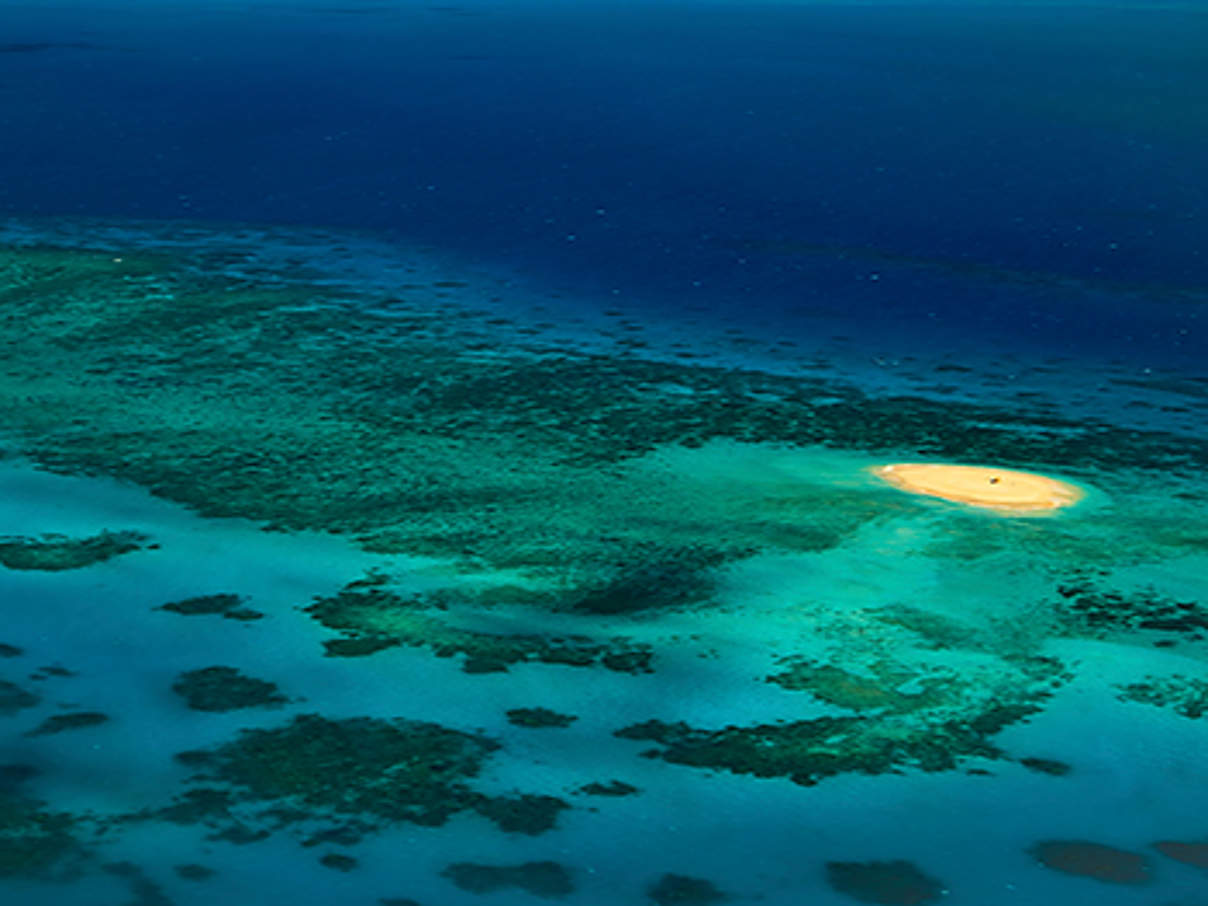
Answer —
(967, 160)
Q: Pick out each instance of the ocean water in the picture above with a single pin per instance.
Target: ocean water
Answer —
(440, 453)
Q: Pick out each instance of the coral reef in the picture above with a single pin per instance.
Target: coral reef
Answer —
(225, 689)
(395, 770)
(35, 842)
(673, 889)
(277, 402)
(548, 880)
(59, 552)
(1183, 695)
(224, 604)
(75, 720)
(536, 718)
(611, 788)
(13, 698)
(1094, 860)
(375, 618)
(896, 883)
(1190, 853)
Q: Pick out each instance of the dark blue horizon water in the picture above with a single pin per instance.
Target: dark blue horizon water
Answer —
(968, 161)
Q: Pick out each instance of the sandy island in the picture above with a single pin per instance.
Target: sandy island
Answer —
(1004, 490)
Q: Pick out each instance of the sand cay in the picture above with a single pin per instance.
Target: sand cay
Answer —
(1004, 490)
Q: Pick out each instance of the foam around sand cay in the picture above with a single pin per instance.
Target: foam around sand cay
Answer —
(1003, 490)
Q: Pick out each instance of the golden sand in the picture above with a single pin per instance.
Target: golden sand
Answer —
(1004, 490)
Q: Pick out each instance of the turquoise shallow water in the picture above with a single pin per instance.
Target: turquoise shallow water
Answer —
(437, 449)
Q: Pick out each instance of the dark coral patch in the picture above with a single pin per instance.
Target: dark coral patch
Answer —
(358, 646)
(76, 720)
(191, 871)
(524, 814)
(1083, 603)
(656, 580)
(682, 890)
(1185, 696)
(548, 880)
(894, 883)
(1093, 860)
(1190, 853)
(611, 788)
(373, 618)
(1046, 766)
(13, 698)
(808, 751)
(338, 861)
(35, 843)
(59, 552)
(223, 604)
(225, 689)
(535, 718)
(396, 770)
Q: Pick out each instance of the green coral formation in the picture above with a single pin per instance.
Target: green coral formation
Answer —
(536, 718)
(58, 552)
(374, 618)
(394, 770)
(75, 720)
(191, 871)
(13, 698)
(895, 883)
(1046, 766)
(673, 889)
(225, 689)
(931, 719)
(225, 604)
(1183, 695)
(548, 880)
(528, 813)
(355, 774)
(879, 687)
(611, 788)
(34, 842)
(281, 403)
(338, 861)
(1087, 608)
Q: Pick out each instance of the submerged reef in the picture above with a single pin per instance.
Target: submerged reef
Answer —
(14, 698)
(282, 402)
(354, 775)
(536, 718)
(1183, 695)
(35, 842)
(59, 552)
(397, 770)
(548, 880)
(673, 889)
(224, 604)
(75, 720)
(1094, 860)
(896, 883)
(225, 689)
(375, 618)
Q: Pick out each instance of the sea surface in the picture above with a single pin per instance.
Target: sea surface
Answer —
(439, 451)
